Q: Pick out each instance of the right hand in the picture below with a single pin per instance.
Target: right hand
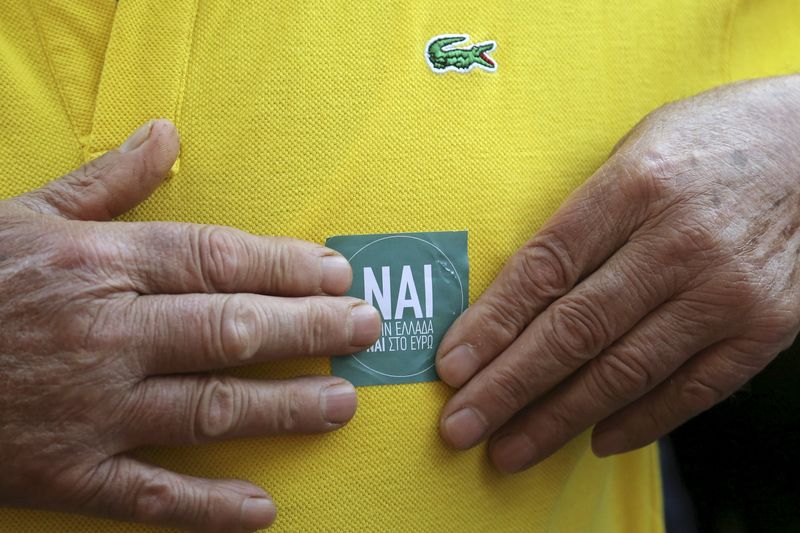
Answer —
(108, 329)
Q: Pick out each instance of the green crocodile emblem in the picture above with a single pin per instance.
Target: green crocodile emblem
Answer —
(442, 54)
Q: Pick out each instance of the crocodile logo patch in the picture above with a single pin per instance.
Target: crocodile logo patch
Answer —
(443, 53)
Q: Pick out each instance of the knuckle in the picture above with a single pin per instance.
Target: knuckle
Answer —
(91, 327)
(689, 240)
(559, 421)
(67, 250)
(502, 321)
(773, 320)
(620, 376)
(693, 313)
(508, 389)
(86, 253)
(778, 330)
(650, 174)
(317, 326)
(633, 179)
(280, 270)
(81, 484)
(656, 161)
(220, 257)
(748, 281)
(288, 413)
(85, 176)
(692, 237)
(701, 393)
(156, 499)
(577, 331)
(543, 268)
(732, 297)
(219, 408)
(235, 329)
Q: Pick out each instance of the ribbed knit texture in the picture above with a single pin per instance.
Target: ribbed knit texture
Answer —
(319, 118)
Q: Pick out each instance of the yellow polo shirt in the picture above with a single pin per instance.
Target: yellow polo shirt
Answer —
(319, 118)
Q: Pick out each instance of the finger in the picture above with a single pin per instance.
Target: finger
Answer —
(707, 379)
(174, 258)
(194, 332)
(133, 491)
(180, 410)
(591, 225)
(624, 372)
(569, 333)
(114, 182)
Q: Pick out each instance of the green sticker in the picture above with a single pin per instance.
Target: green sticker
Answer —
(420, 284)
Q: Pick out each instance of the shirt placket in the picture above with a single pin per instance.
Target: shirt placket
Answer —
(145, 70)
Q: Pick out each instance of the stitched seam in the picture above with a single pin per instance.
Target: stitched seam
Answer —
(89, 148)
(185, 73)
(52, 72)
(728, 41)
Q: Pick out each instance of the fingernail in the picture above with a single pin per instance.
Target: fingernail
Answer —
(339, 403)
(464, 428)
(605, 443)
(137, 138)
(365, 325)
(512, 453)
(257, 513)
(458, 365)
(336, 274)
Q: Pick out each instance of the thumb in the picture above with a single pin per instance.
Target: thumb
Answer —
(114, 182)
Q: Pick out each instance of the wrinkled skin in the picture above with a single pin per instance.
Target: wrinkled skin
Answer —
(661, 286)
(109, 330)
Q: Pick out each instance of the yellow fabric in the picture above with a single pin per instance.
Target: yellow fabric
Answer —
(318, 118)
(765, 39)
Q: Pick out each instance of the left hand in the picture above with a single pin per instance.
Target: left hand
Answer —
(661, 286)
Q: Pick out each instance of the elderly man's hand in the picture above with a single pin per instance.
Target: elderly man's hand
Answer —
(662, 285)
(107, 326)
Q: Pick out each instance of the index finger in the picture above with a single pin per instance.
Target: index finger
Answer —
(594, 222)
(173, 258)
(563, 338)
(197, 332)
